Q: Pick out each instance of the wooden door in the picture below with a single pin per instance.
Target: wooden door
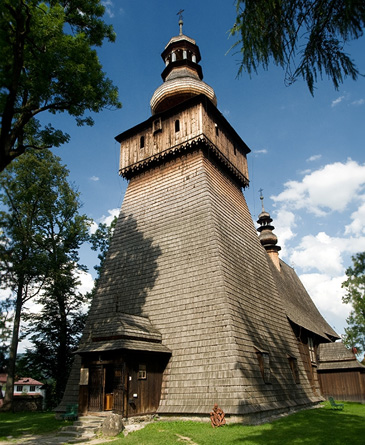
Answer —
(120, 390)
(96, 388)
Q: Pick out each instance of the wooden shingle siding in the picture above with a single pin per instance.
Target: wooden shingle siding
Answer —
(186, 255)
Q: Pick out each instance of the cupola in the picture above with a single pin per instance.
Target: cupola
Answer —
(267, 237)
(182, 75)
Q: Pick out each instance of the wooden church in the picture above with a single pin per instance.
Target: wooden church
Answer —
(194, 308)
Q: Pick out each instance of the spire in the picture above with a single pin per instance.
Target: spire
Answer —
(262, 200)
(180, 21)
(182, 75)
(267, 237)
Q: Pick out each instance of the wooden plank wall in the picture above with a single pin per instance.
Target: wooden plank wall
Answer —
(193, 122)
(343, 385)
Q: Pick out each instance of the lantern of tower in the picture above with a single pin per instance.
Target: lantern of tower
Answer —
(182, 75)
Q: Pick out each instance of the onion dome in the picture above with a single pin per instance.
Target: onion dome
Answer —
(182, 75)
(267, 237)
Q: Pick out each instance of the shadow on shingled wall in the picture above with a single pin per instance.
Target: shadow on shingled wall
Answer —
(280, 391)
(130, 270)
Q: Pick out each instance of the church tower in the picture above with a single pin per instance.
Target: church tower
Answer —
(188, 312)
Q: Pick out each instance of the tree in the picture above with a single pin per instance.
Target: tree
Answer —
(355, 295)
(100, 241)
(305, 37)
(6, 306)
(47, 359)
(42, 232)
(48, 63)
(55, 333)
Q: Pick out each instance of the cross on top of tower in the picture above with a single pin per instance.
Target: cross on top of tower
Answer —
(262, 199)
(180, 20)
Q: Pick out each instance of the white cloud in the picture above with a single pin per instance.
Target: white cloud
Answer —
(260, 152)
(23, 345)
(314, 158)
(284, 222)
(358, 102)
(109, 219)
(86, 282)
(357, 227)
(321, 257)
(5, 293)
(318, 253)
(337, 101)
(324, 253)
(330, 188)
(93, 228)
(327, 293)
(109, 6)
(104, 220)
(94, 178)
(305, 172)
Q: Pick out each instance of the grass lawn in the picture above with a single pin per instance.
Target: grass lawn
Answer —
(321, 426)
(17, 424)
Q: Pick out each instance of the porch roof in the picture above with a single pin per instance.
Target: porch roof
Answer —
(128, 344)
(124, 325)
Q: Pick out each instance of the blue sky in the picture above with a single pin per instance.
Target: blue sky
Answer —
(307, 152)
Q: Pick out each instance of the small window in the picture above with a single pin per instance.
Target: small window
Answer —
(234, 150)
(177, 125)
(293, 363)
(31, 388)
(142, 372)
(263, 358)
(312, 352)
(157, 125)
(141, 142)
(19, 388)
(216, 130)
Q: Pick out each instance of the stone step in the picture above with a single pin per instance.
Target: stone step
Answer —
(86, 428)
(81, 439)
(68, 433)
(88, 422)
(82, 430)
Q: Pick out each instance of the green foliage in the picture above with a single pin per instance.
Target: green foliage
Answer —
(100, 242)
(42, 233)
(315, 426)
(305, 37)
(18, 424)
(355, 295)
(311, 427)
(48, 63)
(6, 318)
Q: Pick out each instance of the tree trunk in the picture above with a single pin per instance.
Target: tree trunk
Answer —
(62, 358)
(9, 391)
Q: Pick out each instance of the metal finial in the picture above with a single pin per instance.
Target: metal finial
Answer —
(262, 199)
(180, 20)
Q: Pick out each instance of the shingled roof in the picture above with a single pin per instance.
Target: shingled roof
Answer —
(334, 356)
(21, 381)
(122, 331)
(298, 305)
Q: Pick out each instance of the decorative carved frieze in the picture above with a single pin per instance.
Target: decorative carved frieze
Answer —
(199, 142)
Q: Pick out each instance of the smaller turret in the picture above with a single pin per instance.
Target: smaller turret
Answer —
(267, 237)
